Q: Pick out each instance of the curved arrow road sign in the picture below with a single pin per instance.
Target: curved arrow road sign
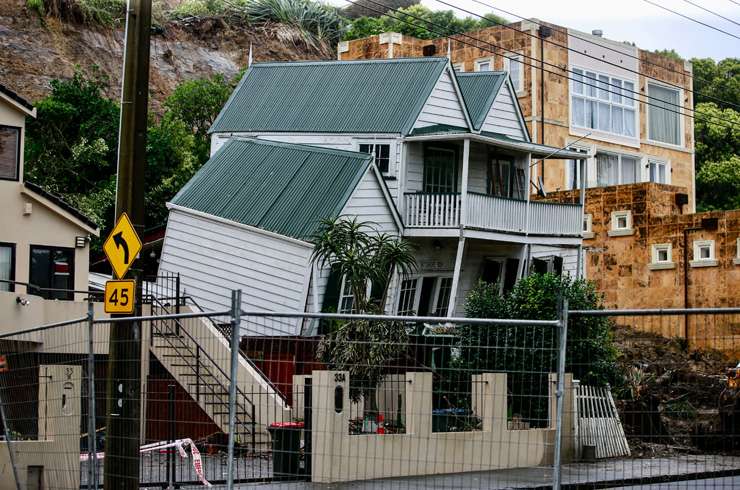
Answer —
(122, 246)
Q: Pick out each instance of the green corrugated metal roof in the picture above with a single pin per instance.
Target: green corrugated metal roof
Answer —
(479, 90)
(366, 96)
(279, 187)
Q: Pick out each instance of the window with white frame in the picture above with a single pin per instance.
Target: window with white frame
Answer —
(664, 120)
(573, 170)
(485, 64)
(658, 171)
(603, 103)
(615, 169)
(737, 252)
(347, 297)
(621, 223)
(703, 253)
(513, 64)
(442, 296)
(662, 253)
(588, 228)
(381, 154)
(459, 67)
(407, 297)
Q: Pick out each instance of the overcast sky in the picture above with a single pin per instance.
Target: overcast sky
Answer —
(637, 21)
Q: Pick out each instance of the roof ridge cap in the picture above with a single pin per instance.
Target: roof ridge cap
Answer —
(422, 59)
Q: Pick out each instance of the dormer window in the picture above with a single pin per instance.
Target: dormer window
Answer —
(9, 152)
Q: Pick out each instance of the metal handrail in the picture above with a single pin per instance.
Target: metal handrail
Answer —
(208, 357)
(244, 356)
(657, 311)
(34, 287)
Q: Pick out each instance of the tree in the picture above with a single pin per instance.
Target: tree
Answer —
(717, 81)
(71, 145)
(365, 348)
(528, 353)
(197, 103)
(718, 184)
(420, 22)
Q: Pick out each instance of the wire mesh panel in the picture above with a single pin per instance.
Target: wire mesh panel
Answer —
(406, 399)
(657, 398)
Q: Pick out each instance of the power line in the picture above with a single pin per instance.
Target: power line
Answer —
(736, 3)
(691, 19)
(637, 72)
(711, 12)
(699, 114)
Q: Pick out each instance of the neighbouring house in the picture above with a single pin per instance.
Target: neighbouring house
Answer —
(641, 251)
(44, 241)
(624, 102)
(448, 168)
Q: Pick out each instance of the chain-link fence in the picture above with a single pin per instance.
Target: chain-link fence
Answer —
(391, 401)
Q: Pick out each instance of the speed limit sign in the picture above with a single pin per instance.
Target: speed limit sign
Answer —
(119, 296)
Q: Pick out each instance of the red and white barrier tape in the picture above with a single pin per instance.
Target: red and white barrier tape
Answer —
(180, 445)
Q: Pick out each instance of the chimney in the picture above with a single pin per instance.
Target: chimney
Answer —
(597, 33)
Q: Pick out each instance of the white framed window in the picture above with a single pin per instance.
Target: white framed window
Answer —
(661, 256)
(615, 169)
(573, 170)
(658, 171)
(484, 64)
(381, 153)
(603, 103)
(663, 114)
(347, 298)
(736, 260)
(513, 64)
(703, 254)
(407, 298)
(459, 67)
(621, 223)
(588, 226)
(442, 293)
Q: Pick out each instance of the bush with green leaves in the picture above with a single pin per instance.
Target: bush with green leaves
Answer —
(420, 22)
(529, 353)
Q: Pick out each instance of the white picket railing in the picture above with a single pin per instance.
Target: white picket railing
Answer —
(427, 210)
(432, 210)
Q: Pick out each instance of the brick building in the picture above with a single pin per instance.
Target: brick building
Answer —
(630, 140)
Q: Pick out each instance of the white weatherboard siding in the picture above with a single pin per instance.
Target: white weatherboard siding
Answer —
(443, 105)
(214, 258)
(504, 117)
(415, 167)
(569, 255)
(477, 170)
(368, 204)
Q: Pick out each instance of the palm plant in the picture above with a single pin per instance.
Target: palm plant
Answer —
(364, 347)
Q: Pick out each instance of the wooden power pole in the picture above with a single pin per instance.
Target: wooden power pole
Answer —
(124, 355)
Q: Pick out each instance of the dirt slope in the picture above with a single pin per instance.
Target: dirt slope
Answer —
(35, 50)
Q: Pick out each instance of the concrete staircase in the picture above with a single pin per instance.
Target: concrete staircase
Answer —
(195, 352)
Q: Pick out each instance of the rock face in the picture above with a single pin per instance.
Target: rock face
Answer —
(35, 50)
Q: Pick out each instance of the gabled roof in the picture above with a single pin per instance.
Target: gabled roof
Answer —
(479, 90)
(70, 211)
(18, 101)
(365, 96)
(279, 187)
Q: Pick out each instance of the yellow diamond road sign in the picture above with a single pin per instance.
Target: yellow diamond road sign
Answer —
(122, 246)
(119, 296)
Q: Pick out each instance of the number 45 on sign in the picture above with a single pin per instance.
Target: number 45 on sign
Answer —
(119, 296)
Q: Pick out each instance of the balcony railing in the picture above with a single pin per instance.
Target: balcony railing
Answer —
(427, 210)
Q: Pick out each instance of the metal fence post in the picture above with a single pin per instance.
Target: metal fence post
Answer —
(236, 309)
(563, 337)
(92, 458)
(8, 440)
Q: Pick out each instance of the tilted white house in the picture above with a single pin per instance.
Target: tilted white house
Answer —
(450, 172)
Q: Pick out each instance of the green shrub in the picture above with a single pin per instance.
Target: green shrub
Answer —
(528, 353)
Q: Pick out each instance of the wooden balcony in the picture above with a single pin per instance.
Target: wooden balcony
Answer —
(491, 213)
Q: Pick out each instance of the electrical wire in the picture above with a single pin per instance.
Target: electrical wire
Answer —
(604, 46)
(691, 19)
(699, 115)
(711, 12)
